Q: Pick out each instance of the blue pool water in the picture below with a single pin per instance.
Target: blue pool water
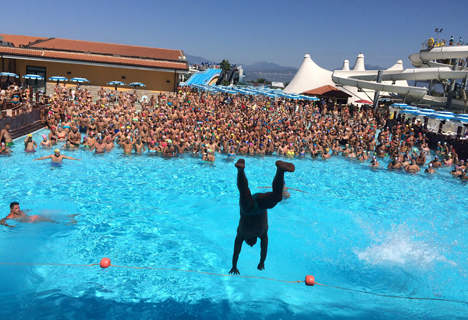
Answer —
(371, 230)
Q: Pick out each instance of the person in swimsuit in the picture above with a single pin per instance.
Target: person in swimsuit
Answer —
(29, 144)
(5, 136)
(56, 157)
(430, 169)
(18, 215)
(4, 149)
(253, 221)
(45, 142)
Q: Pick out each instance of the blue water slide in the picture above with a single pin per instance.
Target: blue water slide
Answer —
(202, 77)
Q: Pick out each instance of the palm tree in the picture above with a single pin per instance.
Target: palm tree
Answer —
(225, 65)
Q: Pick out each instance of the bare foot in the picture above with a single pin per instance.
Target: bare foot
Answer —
(240, 164)
(285, 166)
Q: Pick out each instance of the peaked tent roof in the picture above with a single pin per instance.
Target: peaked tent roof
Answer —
(309, 76)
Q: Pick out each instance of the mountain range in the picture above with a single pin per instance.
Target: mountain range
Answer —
(266, 70)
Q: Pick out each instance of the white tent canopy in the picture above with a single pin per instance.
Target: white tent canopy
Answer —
(345, 65)
(308, 77)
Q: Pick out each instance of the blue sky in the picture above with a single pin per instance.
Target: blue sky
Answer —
(249, 31)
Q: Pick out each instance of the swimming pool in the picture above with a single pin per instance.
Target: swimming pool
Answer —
(372, 230)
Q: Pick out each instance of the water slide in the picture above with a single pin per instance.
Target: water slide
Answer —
(202, 77)
(425, 57)
(367, 79)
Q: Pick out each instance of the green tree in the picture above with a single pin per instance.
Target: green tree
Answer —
(261, 80)
(225, 65)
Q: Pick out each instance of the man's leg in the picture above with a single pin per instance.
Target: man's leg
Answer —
(246, 200)
(269, 200)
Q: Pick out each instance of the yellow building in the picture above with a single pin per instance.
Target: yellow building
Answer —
(100, 63)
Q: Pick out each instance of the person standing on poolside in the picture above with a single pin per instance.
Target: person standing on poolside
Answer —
(5, 135)
(253, 221)
(56, 157)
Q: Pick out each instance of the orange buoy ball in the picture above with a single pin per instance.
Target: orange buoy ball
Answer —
(310, 280)
(105, 263)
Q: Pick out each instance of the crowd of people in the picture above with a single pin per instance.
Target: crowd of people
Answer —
(205, 124)
(14, 96)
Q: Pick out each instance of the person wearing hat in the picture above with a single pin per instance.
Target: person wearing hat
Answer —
(29, 144)
(436, 163)
(4, 149)
(56, 157)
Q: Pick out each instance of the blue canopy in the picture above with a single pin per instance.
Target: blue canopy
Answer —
(79, 80)
(9, 74)
(33, 76)
(116, 83)
(137, 84)
(58, 78)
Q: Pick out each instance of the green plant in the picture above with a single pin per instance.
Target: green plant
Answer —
(225, 65)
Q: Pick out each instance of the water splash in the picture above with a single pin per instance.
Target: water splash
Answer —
(399, 248)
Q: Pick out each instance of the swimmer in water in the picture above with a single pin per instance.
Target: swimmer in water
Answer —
(45, 141)
(18, 215)
(430, 169)
(253, 221)
(29, 144)
(56, 157)
(4, 149)
(374, 162)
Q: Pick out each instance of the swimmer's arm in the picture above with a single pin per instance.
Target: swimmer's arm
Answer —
(43, 158)
(263, 253)
(70, 158)
(235, 256)
(3, 222)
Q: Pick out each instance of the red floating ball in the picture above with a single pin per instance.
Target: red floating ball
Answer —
(105, 263)
(309, 280)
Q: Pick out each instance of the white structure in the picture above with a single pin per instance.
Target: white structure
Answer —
(308, 77)
(345, 65)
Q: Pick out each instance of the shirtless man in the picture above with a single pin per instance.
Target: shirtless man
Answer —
(99, 146)
(5, 136)
(56, 157)
(18, 215)
(395, 164)
(413, 167)
(436, 163)
(128, 145)
(139, 146)
(253, 221)
(75, 137)
(29, 144)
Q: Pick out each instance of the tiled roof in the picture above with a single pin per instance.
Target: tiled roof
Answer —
(327, 90)
(93, 58)
(20, 40)
(109, 48)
